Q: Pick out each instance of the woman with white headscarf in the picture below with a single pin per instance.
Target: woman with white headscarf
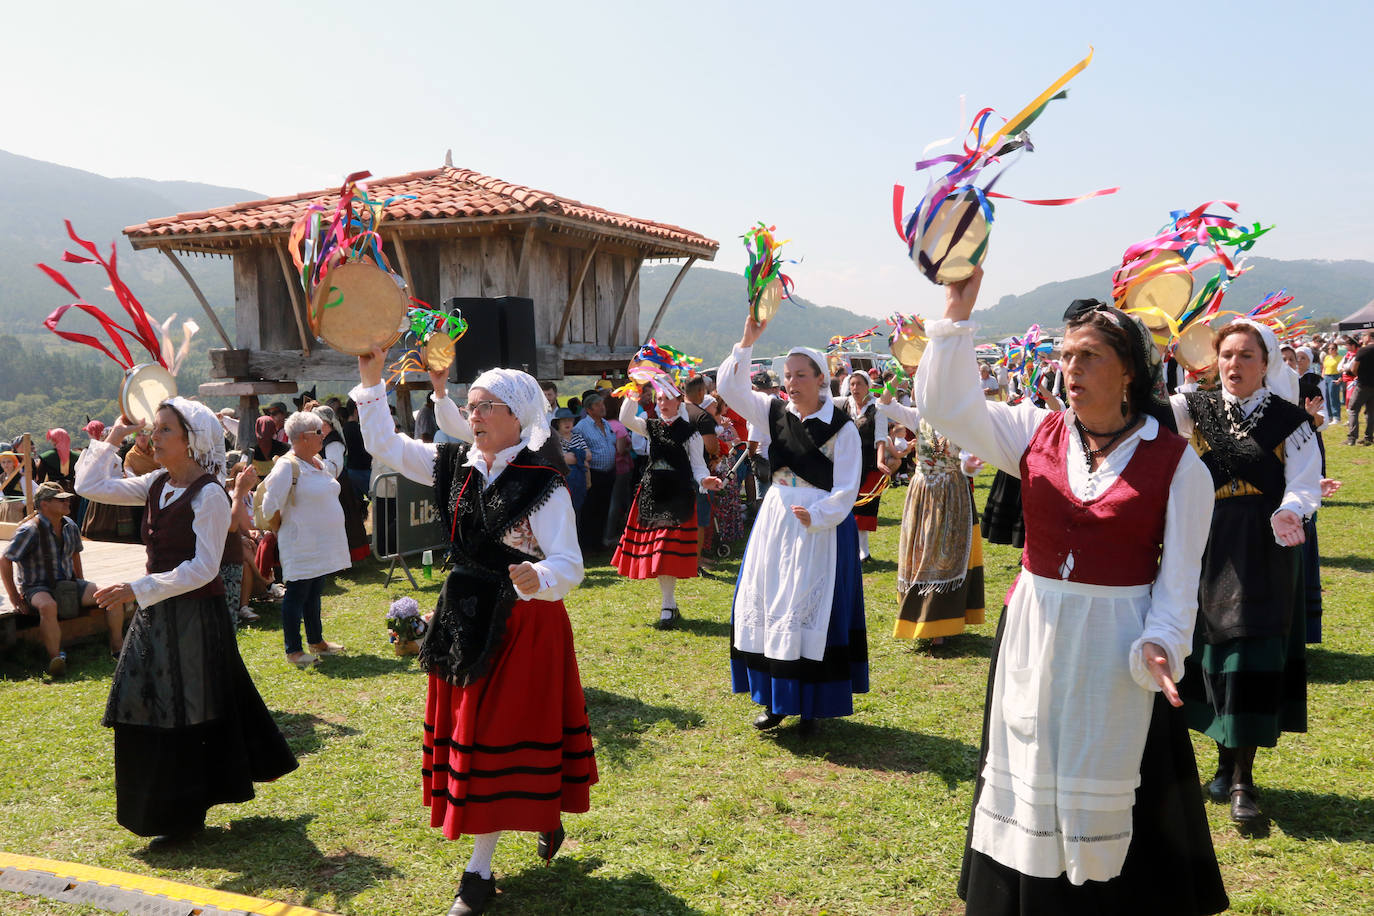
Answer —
(506, 740)
(1247, 675)
(190, 730)
(799, 645)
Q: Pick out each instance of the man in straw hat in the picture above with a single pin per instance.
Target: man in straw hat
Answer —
(47, 550)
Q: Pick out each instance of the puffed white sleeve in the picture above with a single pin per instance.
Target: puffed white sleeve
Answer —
(732, 380)
(696, 457)
(1302, 473)
(833, 509)
(333, 458)
(1182, 418)
(211, 527)
(100, 478)
(276, 486)
(950, 397)
(449, 419)
(1173, 597)
(909, 417)
(410, 457)
(554, 526)
(630, 418)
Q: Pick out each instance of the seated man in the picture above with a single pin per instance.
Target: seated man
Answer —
(47, 549)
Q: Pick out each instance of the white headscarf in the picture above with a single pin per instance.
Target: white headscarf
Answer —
(1278, 378)
(204, 434)
(821, 363)
(526, 400)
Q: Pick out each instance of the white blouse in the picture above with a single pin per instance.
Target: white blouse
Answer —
(553, 525)
(950, 399)
(449, 419)
(631, 420)
(333, 458)
(1302, 463)
(732, 380)
(312, 541)
(100, 478)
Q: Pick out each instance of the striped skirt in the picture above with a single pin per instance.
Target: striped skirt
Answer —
(513, 750)
(647, 553)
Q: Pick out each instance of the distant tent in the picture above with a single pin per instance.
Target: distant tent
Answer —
(1360, 321)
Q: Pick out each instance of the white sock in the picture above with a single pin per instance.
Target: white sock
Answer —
(863, 544)
(483, 848)
(668, 586)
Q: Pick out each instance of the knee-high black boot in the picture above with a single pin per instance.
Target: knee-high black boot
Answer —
(1244, 798)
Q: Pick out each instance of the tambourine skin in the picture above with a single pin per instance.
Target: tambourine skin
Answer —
(360, 306)
(907, 350)
(1196, 348)
(143, 390)
(954, 242)
(1170, 292)
(437, 353)
(766, 304)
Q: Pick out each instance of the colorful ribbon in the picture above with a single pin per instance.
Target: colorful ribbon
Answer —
(765, 264)
(142, 331)
(982, 150)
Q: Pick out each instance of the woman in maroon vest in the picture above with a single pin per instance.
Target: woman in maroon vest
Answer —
(190, 730)
(1087, 799)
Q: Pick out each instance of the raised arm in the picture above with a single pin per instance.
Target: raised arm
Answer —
(100, 476)
(949, 394)
(410, 457)
(630, 418)
(446, 413)
(732, 379)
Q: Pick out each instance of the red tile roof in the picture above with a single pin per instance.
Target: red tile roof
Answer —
(440, 194)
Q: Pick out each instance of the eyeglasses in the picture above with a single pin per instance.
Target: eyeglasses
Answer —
(313, 432)
(481, 409)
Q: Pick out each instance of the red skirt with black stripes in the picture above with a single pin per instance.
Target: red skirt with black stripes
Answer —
(647, 553)
(513, 750)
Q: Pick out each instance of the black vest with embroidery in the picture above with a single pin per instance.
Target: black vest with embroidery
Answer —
(796, 444)
(1251, 458)
(476, 600)
(866, 424)
(667, 498)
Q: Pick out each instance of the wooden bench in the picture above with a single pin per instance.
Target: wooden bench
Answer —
(90, 623)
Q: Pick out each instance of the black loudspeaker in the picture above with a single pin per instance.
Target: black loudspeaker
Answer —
(500, 334)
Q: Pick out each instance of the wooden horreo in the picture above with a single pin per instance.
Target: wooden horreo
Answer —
(463, 234)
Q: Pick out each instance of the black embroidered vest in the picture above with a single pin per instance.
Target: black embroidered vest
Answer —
(476, 600)
(667, 498)
(866, 424)
(797, 445)
(1252, 459)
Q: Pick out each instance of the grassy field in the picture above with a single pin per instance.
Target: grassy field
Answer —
(695, 811)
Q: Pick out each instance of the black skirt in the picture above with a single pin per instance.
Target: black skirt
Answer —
(1002, 522)
(190, 729)
(1170, 866)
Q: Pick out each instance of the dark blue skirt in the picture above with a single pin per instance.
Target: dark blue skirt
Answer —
(815, 688)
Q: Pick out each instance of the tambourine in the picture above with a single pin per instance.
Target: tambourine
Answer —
(765, 304)
(360, 307)
(437, 353)
(1167, 290)
(143, 390)
(907, 350)
(953, 242)
(1196, 347)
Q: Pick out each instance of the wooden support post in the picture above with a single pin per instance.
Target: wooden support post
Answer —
(403, 415)
(186, 275)
(400, 247)
(522, 267)
(248, 419)
(631, 285)
(572, 293)
(297, 306)
(669, 298)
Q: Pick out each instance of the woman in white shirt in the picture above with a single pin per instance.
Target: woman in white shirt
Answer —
(311, 540)
(190, 730)
(1087, 799)
(799, 643)
(506, 740)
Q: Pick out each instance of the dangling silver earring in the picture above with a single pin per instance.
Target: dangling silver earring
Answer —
(1125, 401)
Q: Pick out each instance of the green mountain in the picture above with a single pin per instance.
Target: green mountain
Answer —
(1329, 290)
(707, 315)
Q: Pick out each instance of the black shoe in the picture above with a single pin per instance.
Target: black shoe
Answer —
(550, 843)
(474, 895)
(806, 727)
(668, 623)
(1219, 789)
(767, 720)
(1244, 804)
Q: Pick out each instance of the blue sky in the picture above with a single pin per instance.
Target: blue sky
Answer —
(714, 115)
